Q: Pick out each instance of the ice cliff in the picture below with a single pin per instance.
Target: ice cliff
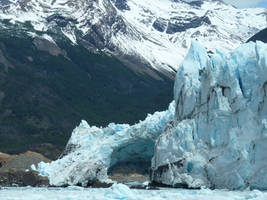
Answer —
(214, 135)
(92, 151)
(218, 137)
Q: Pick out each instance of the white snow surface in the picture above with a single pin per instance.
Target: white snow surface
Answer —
(90, 149)
(122, 192)
(228, 28)
(218, 137)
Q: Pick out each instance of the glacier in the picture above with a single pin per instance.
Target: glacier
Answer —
(214, 134)
(218, 137)
(92, 151)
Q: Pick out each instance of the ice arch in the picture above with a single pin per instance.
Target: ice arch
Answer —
(92, 151)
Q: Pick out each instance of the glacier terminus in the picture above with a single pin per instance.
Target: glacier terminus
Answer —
(213, 135)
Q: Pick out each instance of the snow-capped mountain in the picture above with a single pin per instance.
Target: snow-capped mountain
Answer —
(141, 32)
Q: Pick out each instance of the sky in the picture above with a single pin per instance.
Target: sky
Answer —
(248, 3)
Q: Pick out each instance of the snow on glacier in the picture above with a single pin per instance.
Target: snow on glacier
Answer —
(218, 136)
(92, 150)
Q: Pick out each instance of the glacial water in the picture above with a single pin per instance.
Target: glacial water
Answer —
(122, 192)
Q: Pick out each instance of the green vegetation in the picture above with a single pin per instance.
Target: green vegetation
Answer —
(46, 96)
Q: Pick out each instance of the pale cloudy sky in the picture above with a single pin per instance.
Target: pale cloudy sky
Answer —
(248, 3)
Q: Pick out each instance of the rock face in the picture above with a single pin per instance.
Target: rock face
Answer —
(218, 137)
(15, 177)
(260, 36)
(93, 152)
(15, 170)
(20, 162)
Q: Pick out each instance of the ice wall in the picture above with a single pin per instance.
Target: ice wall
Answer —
(91, 151)
(218, 137)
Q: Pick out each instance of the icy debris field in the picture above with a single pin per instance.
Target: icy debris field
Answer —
(122, 192)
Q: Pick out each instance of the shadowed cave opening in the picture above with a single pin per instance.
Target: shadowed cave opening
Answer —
(131, 162)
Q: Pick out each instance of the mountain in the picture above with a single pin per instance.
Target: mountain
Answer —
(47, 87)
(260, 36)
(102, 61)
(212, 136)
(142, 32)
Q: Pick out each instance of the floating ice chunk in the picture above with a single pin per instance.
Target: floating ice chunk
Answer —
(33, 167)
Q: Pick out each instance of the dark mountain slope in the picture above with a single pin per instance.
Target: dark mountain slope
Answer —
(261, 36)
(46, 89)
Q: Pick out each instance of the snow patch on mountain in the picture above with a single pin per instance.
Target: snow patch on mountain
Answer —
(218, 136)
(49, 38)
